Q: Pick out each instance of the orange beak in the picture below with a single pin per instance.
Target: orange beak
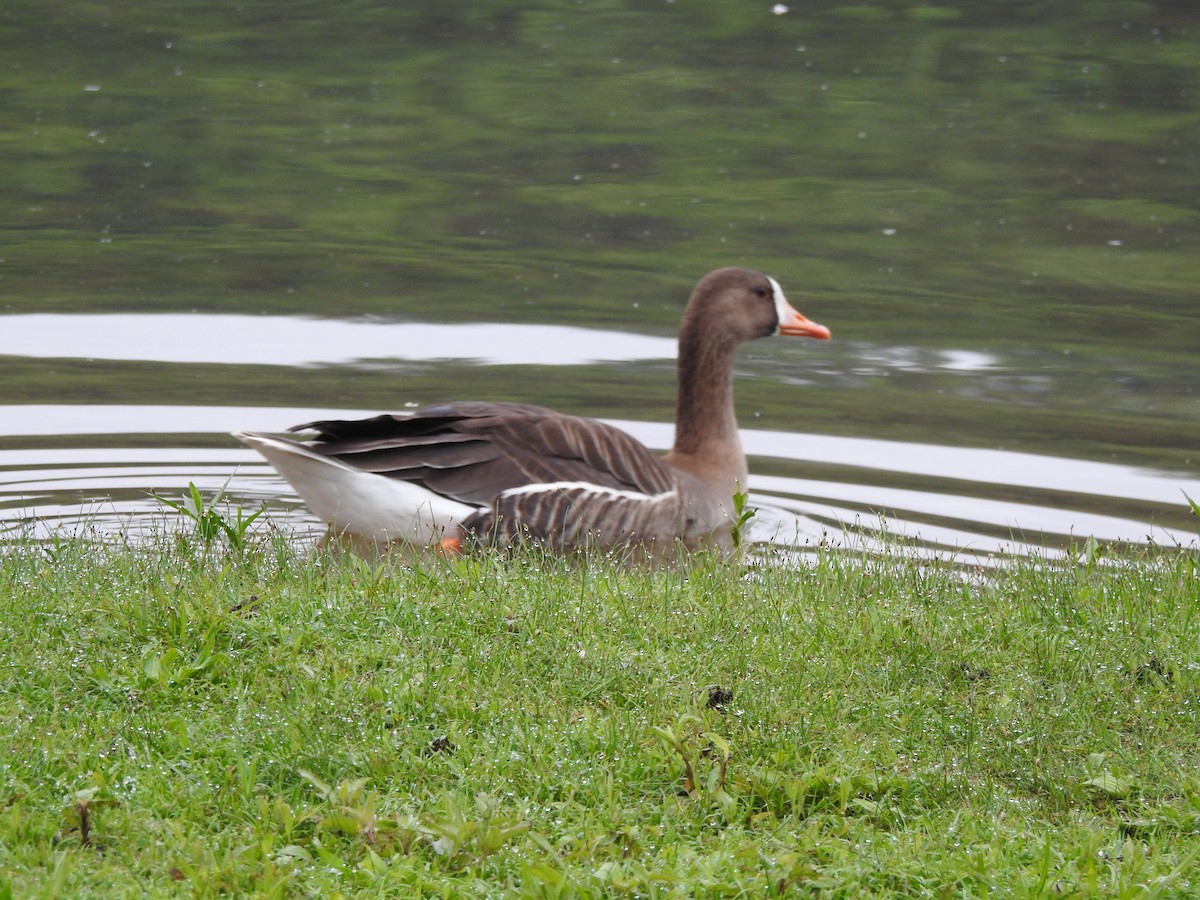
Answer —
(792, 324)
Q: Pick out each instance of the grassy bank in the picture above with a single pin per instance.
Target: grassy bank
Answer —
(186, 722)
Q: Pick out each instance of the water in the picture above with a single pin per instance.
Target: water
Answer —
(217, 221)
(102, 492)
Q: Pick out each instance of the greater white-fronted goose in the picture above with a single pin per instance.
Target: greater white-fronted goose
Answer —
(498, 473)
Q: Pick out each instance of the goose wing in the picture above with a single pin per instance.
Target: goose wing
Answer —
(475, 452)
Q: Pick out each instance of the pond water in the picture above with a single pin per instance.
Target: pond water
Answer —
(235, 219)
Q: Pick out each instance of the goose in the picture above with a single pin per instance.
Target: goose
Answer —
(450, 476)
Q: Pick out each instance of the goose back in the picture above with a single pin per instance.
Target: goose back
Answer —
(471, 451)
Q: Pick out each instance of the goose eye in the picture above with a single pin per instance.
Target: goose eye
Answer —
(762, 293)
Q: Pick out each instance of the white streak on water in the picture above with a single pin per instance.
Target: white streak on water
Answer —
(215, 339)
(297, 341)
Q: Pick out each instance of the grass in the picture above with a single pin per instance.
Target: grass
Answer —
(188, 719)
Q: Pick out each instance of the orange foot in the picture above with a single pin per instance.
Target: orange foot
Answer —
(450, 546)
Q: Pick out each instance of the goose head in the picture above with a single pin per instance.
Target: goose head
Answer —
(727, 308)
(733, 305)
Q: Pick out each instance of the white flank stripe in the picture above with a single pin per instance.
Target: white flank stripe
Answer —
(586, 487)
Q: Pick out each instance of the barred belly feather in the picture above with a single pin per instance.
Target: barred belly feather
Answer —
(570, 515)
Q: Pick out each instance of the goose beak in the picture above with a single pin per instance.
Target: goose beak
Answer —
(792, 324)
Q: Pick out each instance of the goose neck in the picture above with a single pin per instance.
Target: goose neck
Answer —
(705, 421)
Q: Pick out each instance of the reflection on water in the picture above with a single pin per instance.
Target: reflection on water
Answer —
(920, 359)
(304, 341)
(966, 502)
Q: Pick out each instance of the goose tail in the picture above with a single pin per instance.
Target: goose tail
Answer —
(359, 503)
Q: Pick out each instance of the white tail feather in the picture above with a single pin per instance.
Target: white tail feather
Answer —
(355, 502)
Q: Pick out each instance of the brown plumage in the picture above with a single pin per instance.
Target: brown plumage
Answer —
(496, 473)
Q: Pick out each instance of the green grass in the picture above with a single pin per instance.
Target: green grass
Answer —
(181, 719)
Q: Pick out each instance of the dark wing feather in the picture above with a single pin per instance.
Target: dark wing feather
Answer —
(474, 451)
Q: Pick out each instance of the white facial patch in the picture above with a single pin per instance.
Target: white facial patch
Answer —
(783, 309)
